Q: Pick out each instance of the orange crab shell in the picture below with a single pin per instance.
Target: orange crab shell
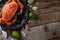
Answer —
(9, 10)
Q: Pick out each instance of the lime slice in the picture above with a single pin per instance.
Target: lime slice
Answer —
(32, 15)
(30, 1)
(15, 34)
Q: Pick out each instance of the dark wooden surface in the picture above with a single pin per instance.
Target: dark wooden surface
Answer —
(48, 12)
(57, 38)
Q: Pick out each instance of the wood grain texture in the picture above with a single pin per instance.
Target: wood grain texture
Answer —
(48, 12)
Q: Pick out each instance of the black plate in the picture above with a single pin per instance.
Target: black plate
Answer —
(21, 19)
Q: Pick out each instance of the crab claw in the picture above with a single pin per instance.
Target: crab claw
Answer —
(20, 6)
(8, 1)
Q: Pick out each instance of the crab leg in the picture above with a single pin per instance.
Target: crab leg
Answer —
(8, 1)
(0, 15)
(11, 22)
(8, 23)
(20, 6)
(1, 20)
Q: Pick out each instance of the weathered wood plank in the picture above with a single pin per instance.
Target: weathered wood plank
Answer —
(46, 15)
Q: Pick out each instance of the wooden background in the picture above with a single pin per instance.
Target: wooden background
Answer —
(48, 12)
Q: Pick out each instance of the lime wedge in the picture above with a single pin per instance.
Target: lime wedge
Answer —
(30, 1)
(32, 15)
(15, 34)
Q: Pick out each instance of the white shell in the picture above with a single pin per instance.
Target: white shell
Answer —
(23, 33)
(4, 34)
(0, 0)
(30, 6)
(0, 30)
(10, 38)
(34, 8)
(13, 39)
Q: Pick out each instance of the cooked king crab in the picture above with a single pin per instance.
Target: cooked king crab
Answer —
(9, 10)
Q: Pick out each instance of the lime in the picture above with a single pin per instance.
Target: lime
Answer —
(15, 34)
(32, 15)
(30, 1)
